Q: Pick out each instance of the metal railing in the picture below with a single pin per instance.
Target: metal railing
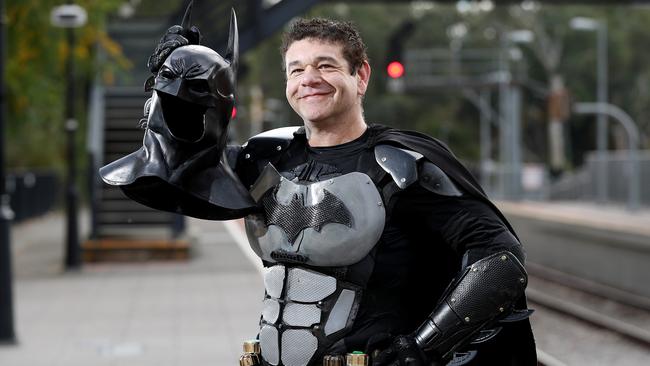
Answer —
(33, 193)
(583, 184)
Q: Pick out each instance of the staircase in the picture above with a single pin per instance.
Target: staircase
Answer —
(122, 228)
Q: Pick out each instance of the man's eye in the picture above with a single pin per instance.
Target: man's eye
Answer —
(295, 71)
(325, 66)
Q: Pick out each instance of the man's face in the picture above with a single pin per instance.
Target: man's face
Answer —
(320, 85)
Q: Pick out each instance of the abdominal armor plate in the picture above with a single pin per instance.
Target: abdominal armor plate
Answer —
(335, 222)
(304, 313)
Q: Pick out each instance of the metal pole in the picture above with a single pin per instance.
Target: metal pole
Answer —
(504, 134)
(633, 141)
(515, 125)
(601, 132)
(257, 110)
(486, 142)
(7, 334)
(73, 250)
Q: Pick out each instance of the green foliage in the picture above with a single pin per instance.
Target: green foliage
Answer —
(35, 76)
(157, 8)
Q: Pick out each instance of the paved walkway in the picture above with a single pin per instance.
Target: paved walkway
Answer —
(180, 313)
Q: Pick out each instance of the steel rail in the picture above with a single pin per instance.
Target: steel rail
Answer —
(588, 286)
(593, 317)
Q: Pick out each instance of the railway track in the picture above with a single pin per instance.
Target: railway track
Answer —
(605, 309)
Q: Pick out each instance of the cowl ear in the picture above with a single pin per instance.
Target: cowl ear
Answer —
(186, 23)
(232, 52)
(227, 83)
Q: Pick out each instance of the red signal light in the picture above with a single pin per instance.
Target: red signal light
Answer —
(234, 113)
(395, 69)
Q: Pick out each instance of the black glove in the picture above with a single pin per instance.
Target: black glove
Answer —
(403, 351)
(175, 37)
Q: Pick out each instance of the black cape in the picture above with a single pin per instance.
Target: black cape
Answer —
(515, 345)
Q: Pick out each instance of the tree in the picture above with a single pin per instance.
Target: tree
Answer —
(36, 54)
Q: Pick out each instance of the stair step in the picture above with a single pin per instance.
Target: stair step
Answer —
(122, 147)
(128, 249)
(123, 205)
(123, 135)
(127, 101)
(118, 115)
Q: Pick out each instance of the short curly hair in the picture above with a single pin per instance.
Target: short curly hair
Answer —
(334, 31)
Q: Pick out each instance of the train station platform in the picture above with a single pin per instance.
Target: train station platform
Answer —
(614, 218)
(609, 245)
(197, 312)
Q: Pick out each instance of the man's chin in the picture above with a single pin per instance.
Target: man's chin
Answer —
(314, 115)
(315, 118)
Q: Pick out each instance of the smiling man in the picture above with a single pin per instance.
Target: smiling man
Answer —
(373, 239)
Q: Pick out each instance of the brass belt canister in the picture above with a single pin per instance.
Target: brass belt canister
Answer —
(357, 359)
(333, 360)
(251, 356)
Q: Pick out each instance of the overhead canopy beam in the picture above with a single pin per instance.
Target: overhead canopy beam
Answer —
(258, 21)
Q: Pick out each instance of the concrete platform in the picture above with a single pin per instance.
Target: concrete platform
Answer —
(605, 244)
(194, 312)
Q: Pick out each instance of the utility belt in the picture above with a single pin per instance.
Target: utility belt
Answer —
(252, 357)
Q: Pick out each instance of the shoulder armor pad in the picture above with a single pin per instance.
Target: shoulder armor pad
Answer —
(433, 179)
(268, 143)
(401, 164)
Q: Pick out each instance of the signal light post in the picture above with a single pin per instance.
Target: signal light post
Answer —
(395, 57)
(395, 70)
(7, 334)
(70, 16)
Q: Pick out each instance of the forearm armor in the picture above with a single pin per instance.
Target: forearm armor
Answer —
(485, 292)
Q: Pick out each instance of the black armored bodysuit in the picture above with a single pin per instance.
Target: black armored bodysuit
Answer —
(361, 240)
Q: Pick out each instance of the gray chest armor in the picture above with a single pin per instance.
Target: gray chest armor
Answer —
(335, 222)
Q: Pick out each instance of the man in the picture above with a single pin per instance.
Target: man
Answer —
(373, 239)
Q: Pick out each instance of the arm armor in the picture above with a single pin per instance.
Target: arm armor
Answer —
(485, 292)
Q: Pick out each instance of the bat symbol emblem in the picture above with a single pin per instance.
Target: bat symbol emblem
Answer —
(295, 217)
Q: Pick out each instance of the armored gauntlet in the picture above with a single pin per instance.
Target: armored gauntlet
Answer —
(485, 292)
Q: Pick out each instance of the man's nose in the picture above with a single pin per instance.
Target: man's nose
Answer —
(311, 75)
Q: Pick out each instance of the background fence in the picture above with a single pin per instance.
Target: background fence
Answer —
(582, 184)
(33, 193)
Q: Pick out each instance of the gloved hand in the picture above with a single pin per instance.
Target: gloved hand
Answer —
(403, 351)
(176, 36)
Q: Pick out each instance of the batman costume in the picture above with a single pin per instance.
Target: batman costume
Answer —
(385, 244)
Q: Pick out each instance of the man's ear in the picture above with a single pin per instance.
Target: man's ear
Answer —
(363, 78)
